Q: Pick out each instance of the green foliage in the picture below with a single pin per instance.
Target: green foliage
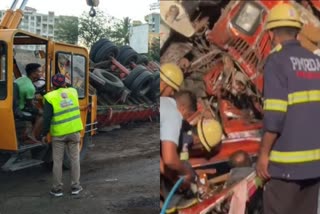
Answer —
(154, 50)
(91, 29)
(66, 29)
(121, 32)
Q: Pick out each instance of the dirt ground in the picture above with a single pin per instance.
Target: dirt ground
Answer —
(120, 175)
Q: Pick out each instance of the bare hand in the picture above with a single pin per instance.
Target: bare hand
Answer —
(262, 166)
(188, 179)
(184, 64)
(44, 140)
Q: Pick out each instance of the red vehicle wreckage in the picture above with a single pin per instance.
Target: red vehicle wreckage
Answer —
(229, 39)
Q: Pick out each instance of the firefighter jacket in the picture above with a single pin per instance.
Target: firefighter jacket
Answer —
(292, 109)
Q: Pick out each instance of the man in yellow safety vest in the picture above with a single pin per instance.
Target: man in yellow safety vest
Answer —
(63, 121)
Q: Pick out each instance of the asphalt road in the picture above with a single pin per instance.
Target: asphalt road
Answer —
(120, 175)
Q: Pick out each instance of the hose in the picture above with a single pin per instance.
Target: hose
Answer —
(171, 193)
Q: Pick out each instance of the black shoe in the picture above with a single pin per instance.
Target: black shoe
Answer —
(56, 192)
(76, 190)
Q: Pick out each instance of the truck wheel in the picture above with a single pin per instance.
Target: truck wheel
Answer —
(96, 46)
(134, 73)
(142, 84)
(106, 51)
(142, 59)
(127, 55)
(110, 82)
(154, 93)
(83, 150)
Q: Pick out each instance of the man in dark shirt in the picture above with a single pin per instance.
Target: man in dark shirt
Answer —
(289, 153)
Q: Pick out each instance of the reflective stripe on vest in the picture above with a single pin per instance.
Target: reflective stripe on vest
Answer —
(275, 105)
(66, 114)
(295, 157)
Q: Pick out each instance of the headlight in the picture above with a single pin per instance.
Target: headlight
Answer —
(248, 17)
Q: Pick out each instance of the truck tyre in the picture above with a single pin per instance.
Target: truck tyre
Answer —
(106, 51)
(127, 55)
(154, 93)
(111, 83)
(142, 84)
(95, 81)
(83, 151)
(96, 46)
(134, 73)
(142, 59)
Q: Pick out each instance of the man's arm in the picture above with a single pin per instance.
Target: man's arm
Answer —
(275, 108)
(47, 117)
(171, 158)
(30, 94)
(276, 103)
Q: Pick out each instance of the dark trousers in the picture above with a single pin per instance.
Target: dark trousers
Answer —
(291, 197)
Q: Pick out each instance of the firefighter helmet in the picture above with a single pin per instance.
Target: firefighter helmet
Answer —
(172, 75)
(283, 15)
(210, 133)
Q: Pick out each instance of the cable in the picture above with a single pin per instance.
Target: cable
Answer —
(171, 193)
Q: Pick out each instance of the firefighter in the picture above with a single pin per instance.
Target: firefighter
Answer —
(62, 119)
(205, 137)
(171, 78)
(289, 156)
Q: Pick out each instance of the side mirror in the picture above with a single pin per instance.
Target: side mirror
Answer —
(93, 3)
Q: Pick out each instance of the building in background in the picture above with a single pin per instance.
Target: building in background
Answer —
(139, 37)
(136, 23)
(153, 20)
(40, 24)
(143, 35)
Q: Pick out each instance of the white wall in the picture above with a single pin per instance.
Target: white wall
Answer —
(139, 37)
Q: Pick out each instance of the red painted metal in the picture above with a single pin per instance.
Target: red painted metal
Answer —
(206, 205)
(119, 66)
(250, 146)
(125, 116)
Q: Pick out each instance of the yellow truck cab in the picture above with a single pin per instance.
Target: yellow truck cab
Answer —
(18, 152)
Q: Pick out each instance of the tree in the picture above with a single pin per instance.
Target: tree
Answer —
(66, 29)
(154, 49)
(91, 29)
(121, 32)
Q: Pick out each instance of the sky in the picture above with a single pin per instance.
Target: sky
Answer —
(134, 9)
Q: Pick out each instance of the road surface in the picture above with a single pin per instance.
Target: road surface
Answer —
(120, 175)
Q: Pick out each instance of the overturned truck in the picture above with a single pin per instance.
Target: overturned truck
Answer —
(126, 83)
(221, 46)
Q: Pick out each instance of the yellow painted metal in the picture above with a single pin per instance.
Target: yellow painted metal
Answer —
(6, 18)
(8, 138)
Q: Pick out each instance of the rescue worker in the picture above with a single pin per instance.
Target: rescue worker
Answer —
(26, 95)
(203, 144)
(62, 118)
(289, 153)
(206, 138)
(171, 77)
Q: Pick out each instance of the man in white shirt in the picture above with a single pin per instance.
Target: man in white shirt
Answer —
(170, 124)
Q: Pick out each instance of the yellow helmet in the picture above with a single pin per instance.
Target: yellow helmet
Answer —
(172, 75)
(210, 133)
(283, 15)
